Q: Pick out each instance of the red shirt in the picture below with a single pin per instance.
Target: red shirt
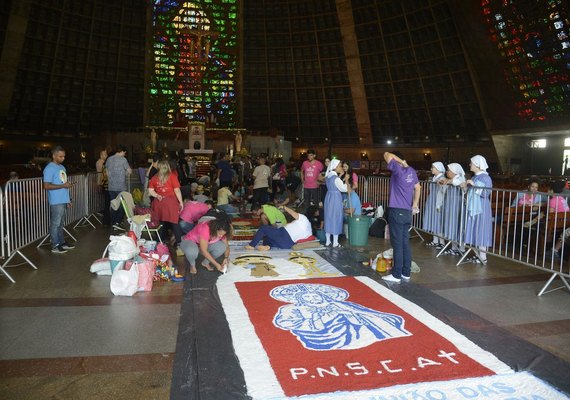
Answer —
(166, 188)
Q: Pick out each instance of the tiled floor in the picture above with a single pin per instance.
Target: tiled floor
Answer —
(64, 335)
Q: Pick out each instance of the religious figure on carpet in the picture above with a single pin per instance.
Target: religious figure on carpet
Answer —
(322, 320)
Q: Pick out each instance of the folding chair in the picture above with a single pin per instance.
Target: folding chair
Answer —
(129, 213)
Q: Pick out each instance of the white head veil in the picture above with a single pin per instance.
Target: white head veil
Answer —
(332, 166)
(459, 177)
(439, 166)
(480, 162)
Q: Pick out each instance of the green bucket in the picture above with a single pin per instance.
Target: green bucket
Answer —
(358, 230)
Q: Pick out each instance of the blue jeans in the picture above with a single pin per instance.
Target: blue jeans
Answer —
(273, 237)
(400, 221)
(56, 216)
(118, 215)
(185, 226)
(228, 208)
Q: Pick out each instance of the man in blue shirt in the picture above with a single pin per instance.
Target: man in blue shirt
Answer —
(57, 186)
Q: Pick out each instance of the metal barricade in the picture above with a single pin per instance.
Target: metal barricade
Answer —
(526, 233)
(24, 214)
(94, 201)
(25, 211)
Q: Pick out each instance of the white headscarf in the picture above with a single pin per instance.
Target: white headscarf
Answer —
(459, 177)
(332, 166)
(480, 162)
(439, 166)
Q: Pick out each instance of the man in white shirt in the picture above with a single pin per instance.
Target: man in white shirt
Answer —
(284, 237)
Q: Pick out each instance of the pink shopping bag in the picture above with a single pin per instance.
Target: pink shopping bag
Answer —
(146, 274)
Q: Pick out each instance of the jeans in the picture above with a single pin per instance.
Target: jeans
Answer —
(311, 196)
(118, 215)
(273, 237)
(228, 208)
(400, 221)
(259, 195)
(56, 216)
(185, 226)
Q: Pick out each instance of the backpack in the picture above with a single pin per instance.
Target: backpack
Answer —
(378, 228)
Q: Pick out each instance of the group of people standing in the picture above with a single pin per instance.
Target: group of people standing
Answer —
(195, 235)
(448, 217)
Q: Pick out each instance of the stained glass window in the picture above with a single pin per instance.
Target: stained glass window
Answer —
(533, 40)
(195, 61)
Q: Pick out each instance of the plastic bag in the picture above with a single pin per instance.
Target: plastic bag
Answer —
(121, 248)
(101, 266)
(146, 274)
(379, 212)
(125, 283)
(137, 195)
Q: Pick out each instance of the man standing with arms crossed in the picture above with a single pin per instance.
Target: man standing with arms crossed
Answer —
(405, 192)
(57, 186)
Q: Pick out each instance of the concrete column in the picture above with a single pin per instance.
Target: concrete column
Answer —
(355, 78)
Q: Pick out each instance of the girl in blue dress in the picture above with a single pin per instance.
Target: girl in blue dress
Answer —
(334, 213)
(479, 227)
(433, 216)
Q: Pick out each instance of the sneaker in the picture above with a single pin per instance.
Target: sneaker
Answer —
(406, 278)
(179, 252)
(390, 278)
(58, 250)
(117, 227)
(67, 246)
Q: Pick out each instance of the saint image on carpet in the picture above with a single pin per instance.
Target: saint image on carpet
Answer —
(321, 319)
(319, 342)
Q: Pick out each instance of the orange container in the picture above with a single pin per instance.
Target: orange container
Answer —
(381, 265)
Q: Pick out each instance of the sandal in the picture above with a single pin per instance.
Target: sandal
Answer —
(208, 266)
(337, 246)
(193, 270)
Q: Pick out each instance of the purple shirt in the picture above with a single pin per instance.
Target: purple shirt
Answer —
(402, 183)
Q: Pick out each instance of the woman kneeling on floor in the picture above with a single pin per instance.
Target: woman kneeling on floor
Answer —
(209, 239)
(284, 237)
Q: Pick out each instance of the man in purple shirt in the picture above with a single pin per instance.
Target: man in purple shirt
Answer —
(404, 199)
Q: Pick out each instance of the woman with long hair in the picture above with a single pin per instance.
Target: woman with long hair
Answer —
(209, 239)
(166, 207)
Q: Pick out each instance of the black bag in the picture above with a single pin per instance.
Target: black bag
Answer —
(378, 227)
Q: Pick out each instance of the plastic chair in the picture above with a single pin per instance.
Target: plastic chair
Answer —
(129, 213)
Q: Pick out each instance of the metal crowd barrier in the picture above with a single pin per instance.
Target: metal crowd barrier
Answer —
(24, 215)
(526, 233)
